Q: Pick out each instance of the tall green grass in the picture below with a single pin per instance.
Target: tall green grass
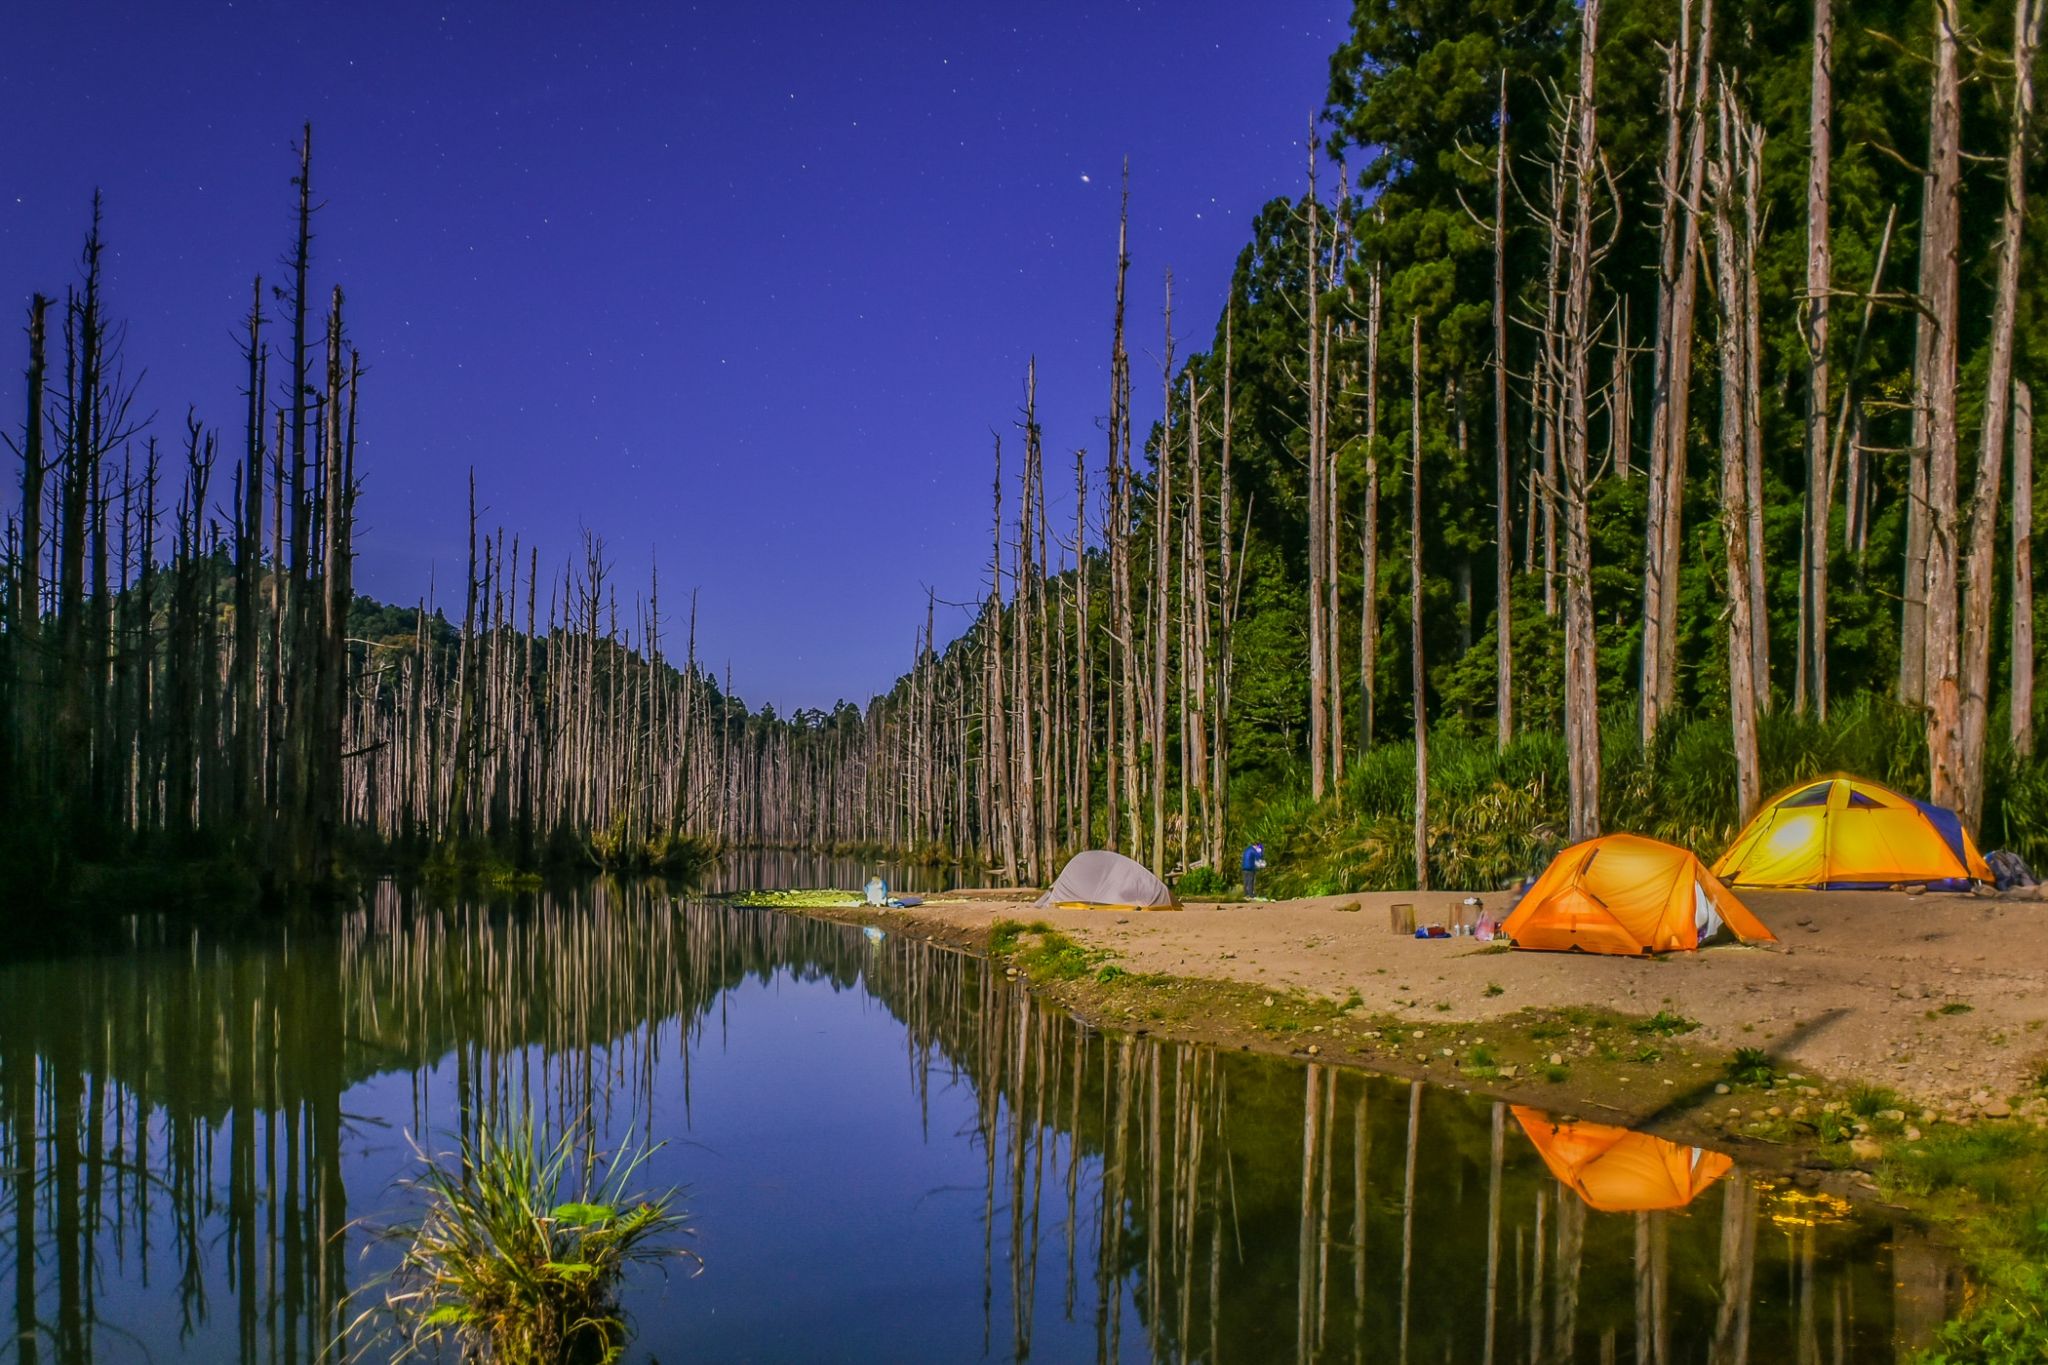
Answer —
(1497, 815)
(518, 1256)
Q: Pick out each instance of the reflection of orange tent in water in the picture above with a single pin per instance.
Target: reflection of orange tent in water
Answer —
(1616, 1170)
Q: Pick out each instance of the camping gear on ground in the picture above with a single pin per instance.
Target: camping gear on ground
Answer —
(877, 891)
(1843, 834)
(1102, 880)
(2009, 870)
(1624, 893)
(1616, 1170)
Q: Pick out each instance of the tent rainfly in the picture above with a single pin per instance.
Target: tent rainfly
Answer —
(1623, 893)
(1102, 880)
(1842, 833)
(1618, 1171)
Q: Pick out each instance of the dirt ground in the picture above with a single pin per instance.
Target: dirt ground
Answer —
(1943, 997)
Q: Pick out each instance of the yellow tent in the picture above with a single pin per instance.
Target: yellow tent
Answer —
(1843, 832)
(1618, 1171)
(1623, 893)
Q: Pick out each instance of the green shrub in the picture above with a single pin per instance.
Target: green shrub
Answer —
(1497, 815)
(1666, 1024)
(521, 1248)
(1752, 1066)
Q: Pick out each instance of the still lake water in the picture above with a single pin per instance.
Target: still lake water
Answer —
(891, 1153)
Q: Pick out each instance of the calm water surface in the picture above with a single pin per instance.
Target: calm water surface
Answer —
(891, 1153)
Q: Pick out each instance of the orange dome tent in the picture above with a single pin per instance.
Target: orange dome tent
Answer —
(1618, 1171)
(1623, 893)
(1843, 833)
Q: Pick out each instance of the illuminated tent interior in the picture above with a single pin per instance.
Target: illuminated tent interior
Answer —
(1842, 833)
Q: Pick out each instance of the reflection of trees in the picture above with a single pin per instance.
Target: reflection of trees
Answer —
(1236, 1195)
(172, 1126)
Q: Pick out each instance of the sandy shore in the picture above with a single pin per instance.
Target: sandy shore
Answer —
(1942, 997)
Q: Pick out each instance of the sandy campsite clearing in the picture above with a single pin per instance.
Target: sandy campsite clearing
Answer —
(1941, 996)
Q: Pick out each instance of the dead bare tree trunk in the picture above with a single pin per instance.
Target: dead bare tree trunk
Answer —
(1369, 605)
(1162, 504)
(1939, 290)
(1738, 145)
(1419, 678)
(26, 622)
(1812, 678)
(1671, 391)
(1503, 524)
(1980, 580)
(1581, 653)
(2023, 570)
(1318, 554)
(1226, 611)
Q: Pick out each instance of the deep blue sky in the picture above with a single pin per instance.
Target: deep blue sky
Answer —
(744, 287)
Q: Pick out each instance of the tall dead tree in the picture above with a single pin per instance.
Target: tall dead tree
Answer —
(1369, 534)
(1980, 580)
(1197, 675)
(1333, 512)
(995, 700)
(25, 624)
(1581, 653)
(1503, 478)
(1226, 612)
(1812, 674)
(1941, 232)
(2023, 570)
(1084, 658)
(1684, 173)
(1732, 179)
(1162, 516)
(1318, 553)
(1419, 677)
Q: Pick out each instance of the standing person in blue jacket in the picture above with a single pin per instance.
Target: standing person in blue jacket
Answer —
(1254, 859)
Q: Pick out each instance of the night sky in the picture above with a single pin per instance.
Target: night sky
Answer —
(743, 288)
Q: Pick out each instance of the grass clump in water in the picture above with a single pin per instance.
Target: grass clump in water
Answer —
(519, 1255)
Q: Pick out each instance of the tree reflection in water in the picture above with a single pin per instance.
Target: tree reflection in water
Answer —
(190, 1124)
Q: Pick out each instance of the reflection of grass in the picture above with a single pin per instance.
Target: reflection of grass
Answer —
(519, 1254)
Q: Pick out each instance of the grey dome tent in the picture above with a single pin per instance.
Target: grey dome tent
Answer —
(1102, 880)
